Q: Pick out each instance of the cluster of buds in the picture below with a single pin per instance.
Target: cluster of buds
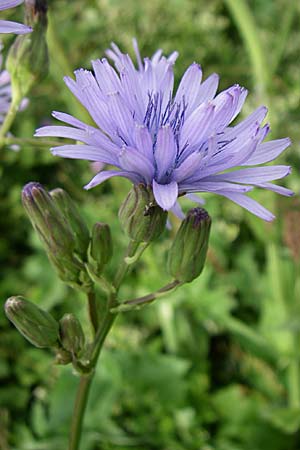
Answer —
(66, 237)
(39, 327)
(144, 221)
(75, 255)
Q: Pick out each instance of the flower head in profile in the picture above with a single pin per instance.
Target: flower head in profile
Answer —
(178, 143)
(12, 27)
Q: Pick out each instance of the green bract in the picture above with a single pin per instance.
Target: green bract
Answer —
(140, 216)
(71, 334)
(69, 210)
(101, 246)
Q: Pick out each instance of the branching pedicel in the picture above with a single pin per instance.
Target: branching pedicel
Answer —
(80, 260)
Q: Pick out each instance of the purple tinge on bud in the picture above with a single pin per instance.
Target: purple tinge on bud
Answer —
(177, 143)
(186, 257)
(197, 215)
(12, 27)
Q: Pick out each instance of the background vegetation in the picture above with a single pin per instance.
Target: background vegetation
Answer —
(215, 366)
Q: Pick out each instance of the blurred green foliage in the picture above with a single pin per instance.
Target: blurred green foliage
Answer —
(214, 366)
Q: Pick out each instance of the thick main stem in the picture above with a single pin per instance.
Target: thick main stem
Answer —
(86, 380)
(102, 331)
(79, 410)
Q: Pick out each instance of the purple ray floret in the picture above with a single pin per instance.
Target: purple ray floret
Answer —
(179, 143)
(12, 27)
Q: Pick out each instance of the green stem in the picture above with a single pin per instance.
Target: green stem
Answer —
(132, 259)
(79, 410)
(33, 142)
(146, 299)
(123, 268)
(10, 116)
(101, 333)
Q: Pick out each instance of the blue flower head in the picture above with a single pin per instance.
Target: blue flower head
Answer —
(12, 27)
(179, 144)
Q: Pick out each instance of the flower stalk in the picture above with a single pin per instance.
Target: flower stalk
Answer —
(102, 329)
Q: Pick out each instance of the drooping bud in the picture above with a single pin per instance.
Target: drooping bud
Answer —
(71, 334)
(69, 210)
(56, 234)
(140, 216)
(35, 324)
(27, 61)
(101, 246)
(187, 254)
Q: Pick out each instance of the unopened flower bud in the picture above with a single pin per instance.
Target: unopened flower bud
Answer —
(101, 246)
(27, 61)
(35, 324)
(69, 210)
(141, 218)
(56, 234)
(71, 334)
(46, 217)
(187, 254)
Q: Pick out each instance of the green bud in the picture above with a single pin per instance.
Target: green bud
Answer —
(187, 254)
(35, 324)
(71, 334)
(57, 235)
(141, 218)
(69, 210)
(101, 246)
(27, 61)
(46, 218)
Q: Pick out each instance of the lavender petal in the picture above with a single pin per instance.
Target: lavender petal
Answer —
(105, 175)
(165, 194)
